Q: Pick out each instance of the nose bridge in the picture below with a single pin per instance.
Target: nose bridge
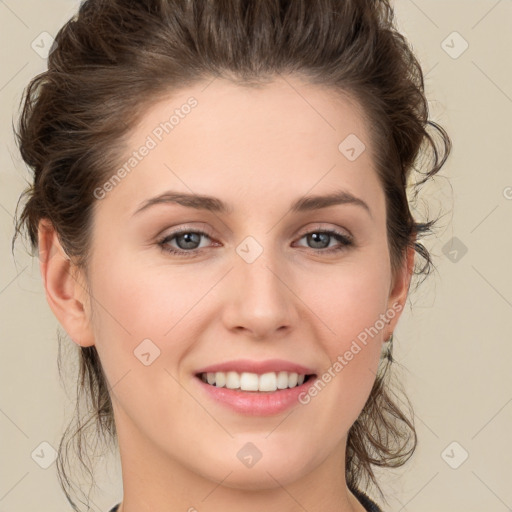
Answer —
(261, 278)
(260, 301)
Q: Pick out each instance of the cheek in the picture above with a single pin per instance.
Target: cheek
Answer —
(352, 309)
(137, 314)
(137, 311)
(145, 301)
(349, 299)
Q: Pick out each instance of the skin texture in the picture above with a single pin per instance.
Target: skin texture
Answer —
(257, 150)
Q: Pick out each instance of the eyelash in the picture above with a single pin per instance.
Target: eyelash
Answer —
(345, 240)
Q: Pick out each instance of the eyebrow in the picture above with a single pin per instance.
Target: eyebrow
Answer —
(213, 204)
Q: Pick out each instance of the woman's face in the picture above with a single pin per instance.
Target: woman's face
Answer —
(262, 284)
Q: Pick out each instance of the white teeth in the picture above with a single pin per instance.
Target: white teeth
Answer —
(247, 381)
(232, 380)
(220, 379)
(267, 382)
(282, 380)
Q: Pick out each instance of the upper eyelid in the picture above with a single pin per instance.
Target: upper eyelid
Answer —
(204, 228)
(320, 227)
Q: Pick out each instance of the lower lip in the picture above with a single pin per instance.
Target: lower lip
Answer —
(254, 403)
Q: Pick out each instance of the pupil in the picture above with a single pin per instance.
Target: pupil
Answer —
(190, 240)
(319, 238)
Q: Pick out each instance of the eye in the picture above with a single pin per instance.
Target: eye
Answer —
(320, 239)
(187, 241)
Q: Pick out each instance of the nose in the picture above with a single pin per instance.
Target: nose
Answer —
(260, 301)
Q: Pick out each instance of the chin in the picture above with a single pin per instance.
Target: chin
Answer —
(273, 473)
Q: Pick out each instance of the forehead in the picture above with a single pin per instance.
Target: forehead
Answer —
(276, 142)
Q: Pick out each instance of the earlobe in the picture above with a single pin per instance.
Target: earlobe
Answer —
(66, 295)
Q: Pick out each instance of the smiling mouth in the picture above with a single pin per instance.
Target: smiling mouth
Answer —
(269, 382)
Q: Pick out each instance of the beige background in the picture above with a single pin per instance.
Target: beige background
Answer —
(453, 341)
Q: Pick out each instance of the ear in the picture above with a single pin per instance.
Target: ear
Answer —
(65, 289)
(399, 290)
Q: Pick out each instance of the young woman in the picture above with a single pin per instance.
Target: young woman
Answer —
(220, 206)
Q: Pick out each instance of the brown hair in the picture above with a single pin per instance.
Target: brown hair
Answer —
(117, 57)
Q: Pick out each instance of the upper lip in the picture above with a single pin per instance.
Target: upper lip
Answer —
(259, 367)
